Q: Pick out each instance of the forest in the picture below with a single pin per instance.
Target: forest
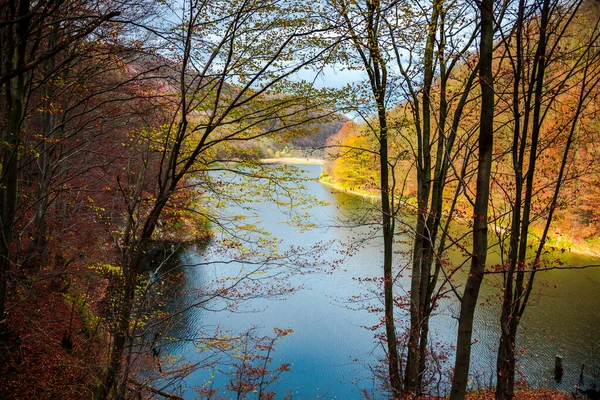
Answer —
(455, 191)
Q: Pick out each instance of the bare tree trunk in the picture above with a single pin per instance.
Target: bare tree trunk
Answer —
(379, 83)
(519, 278)
(422, 254)
(388, 277)
(480, 210)
(134, 253)
(376, 68)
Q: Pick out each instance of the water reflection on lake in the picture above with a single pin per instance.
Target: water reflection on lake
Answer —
(331, 351)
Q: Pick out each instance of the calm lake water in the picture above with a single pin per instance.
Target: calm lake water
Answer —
(331, 351)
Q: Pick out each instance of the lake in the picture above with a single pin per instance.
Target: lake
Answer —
(330, 349)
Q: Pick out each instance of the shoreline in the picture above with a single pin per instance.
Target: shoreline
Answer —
(575, 248)
(348, 191)
(293, 160)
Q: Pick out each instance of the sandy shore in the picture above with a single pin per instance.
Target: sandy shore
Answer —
(292, 160)
(349, 191)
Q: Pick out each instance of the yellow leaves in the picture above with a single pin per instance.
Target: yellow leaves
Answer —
(356, 167)
(107, 268)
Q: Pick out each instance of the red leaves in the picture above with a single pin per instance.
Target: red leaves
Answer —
(252, 371)
(522, 395)
(39, 367)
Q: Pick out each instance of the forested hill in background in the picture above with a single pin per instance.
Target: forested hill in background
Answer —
(307, 139)
(576, 226)
(312, 143)
(323, 131)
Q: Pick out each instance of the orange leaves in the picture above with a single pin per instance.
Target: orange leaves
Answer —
(282, 332)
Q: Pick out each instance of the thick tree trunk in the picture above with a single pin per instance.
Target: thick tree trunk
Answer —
(480, 210)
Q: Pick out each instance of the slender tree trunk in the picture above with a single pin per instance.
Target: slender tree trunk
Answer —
(376, 69)
(37, 246)
(388, 228)
(514, 280)
(423, 350)
(388, 287)
(480, 210)
(422, 254)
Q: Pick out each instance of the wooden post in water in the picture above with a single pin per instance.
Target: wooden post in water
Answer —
(558, 368)
(581, 374)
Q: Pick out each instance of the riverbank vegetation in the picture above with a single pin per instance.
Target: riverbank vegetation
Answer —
(132, 130)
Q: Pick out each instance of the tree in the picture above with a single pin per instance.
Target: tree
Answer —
(355, 159)
(480, 209)
(364, 27)
(26, 28)
(422, 139)
(549, 97)
(232, 61)
(441, 153)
